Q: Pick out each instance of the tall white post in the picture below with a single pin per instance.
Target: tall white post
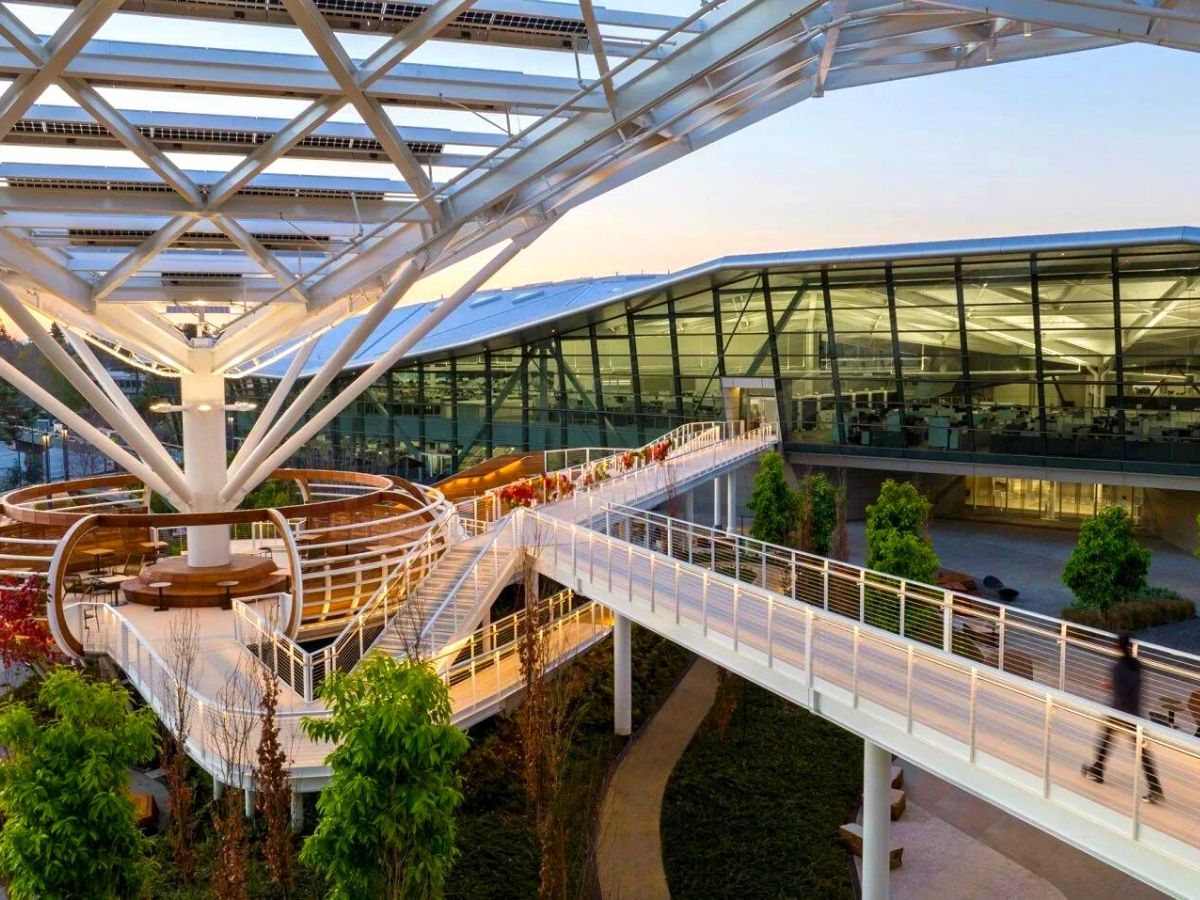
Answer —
(717, 502)
(731, 501)
(297, 811)
(877, 768)
(622, 676)
(203, 396)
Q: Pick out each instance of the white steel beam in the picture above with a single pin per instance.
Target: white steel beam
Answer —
(408, 275)
(32, 329)
(139, 256)
(70, 37)
(252, 473)
(268, 413)
(47, 273)
(337, 61)
(86, 430)
(260, 254)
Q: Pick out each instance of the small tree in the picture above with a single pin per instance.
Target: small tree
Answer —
(819, 501)
(905, 555)
(1107, 565)
(24, 637)
(387, 814)
(70, 828)
(274, 788)
(775, 507)
(900, 510)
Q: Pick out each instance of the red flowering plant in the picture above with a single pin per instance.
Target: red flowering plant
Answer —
(589, 478)
(659, 451)
(24, 635)
(519, 493)
(565, 487)
(628, 458)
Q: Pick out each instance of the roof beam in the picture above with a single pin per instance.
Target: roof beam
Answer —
(260, 254)
(337, 61)
(45, 272)
(75, 31)
(140, 255)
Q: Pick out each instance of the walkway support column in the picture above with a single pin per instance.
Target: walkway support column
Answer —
(297, 811)
(689, 506)
(877, 767)
(731, 501)
(622, 676)
(717, 502)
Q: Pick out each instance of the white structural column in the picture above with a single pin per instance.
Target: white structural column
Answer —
(717, 502)
(689, 507)
(297, 811)
(731, 501)
(622, 676)
(203, 397)
(877, 768)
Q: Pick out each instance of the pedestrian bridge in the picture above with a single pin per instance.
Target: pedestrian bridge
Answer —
(1003, 703)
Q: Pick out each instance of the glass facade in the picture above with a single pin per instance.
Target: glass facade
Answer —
(1078, 357)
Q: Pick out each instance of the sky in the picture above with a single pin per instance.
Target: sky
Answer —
(1097, 140)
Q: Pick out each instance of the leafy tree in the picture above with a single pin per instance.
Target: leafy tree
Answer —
(1107, 565)
(905, 555)
(24, 637)
(387, 814)
(776, 510)
(70, 828)
(819, 502)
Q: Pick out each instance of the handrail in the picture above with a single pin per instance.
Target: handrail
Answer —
(1030, 736)
(1064, 655)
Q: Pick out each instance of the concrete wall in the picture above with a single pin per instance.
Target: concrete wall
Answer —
(1173, 516)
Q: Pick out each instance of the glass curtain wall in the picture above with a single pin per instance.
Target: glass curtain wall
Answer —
(1075, 355)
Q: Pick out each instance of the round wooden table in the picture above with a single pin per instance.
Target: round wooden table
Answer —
(160, 585)
(229, 585)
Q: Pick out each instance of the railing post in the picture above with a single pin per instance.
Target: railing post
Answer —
(908, 691)
(971, 734)
(1062, 657)
(862, 596)
(903, 598)
(770, 633)
(704, 606)
(652, 591)
(854, 667)
(1047, 733)
(1000, 644)
(1139, 753)
(736, 595)
(948, 622)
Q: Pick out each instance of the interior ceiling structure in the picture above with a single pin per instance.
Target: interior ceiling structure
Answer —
(375, 167)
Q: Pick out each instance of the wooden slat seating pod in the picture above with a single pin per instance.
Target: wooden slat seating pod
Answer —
(357, 538)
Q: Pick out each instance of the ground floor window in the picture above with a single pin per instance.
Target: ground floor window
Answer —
(1024, 498)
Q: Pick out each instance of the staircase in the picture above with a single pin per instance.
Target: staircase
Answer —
(451, 600)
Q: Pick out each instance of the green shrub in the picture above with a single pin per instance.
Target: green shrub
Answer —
(1134, 615)
(898, 533)
(775, 507)
(819, 501)
(1107, 563)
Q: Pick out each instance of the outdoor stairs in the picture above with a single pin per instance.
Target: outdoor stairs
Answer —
(462, 615)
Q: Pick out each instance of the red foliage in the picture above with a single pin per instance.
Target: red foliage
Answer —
(628, 458)
(659, 451)
(519, 493)
(566, 487)
(24, 636)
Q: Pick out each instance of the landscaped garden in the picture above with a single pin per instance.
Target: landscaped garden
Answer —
(754, 804)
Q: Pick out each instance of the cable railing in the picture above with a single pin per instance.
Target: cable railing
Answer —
(888, 650)
(1064, 655)
(480, 672)
(303, 670)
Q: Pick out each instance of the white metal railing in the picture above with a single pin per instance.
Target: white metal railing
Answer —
(305, 670)
(615, 466)
(889, 646)
(479, 672)
(1070, 657)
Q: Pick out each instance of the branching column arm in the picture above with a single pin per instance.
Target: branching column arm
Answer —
(271, 410)
(369, 375)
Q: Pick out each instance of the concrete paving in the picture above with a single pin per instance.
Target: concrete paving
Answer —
(1031, 559)
(629, 856)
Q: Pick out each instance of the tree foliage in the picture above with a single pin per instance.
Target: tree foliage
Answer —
(898, 533)
(775, 507)
(819, 503)
(24, 637)
(70, 828)
(387, 814)
(1107, 565)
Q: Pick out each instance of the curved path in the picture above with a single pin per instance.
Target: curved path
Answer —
(629, 856)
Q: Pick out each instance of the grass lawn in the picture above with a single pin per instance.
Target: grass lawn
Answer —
(499, 853)
(755, 813)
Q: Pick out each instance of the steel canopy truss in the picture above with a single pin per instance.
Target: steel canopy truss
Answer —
(105, 250)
